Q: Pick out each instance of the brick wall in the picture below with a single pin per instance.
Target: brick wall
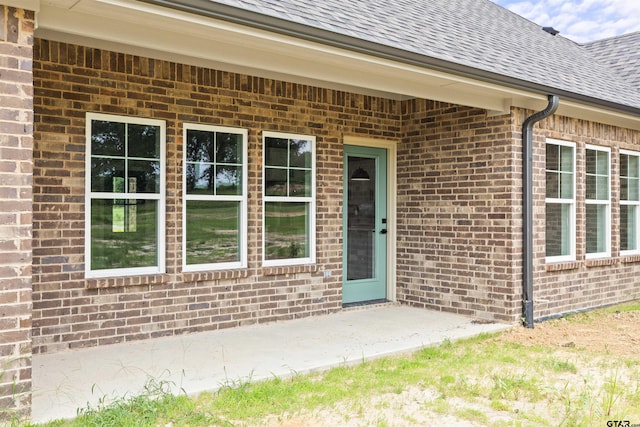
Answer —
(70, 80)
(16, 145)
(571, 286)
(459, 203)
(459, 242)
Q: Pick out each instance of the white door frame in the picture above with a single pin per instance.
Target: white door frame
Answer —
(392, 153)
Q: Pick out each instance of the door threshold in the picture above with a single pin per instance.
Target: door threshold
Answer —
(366, 304)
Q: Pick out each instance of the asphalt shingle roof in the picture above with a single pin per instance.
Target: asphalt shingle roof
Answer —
(473, 33)
(622, 54)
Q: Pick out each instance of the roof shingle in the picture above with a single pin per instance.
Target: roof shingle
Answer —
(621, 54)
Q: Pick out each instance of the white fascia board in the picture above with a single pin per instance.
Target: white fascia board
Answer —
(599, 115)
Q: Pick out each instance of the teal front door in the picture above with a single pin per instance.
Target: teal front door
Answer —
(364, 225)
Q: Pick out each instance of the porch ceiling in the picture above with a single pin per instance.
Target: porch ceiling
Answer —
(158, 32)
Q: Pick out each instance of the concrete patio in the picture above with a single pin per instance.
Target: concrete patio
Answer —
(66, 381)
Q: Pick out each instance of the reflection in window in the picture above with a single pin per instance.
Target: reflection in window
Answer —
(286, 230)
(560, 200)
(213, 162)
(215, 197)
(597, 201)
(289, 199)
(123, 233)
(629, 201)
(125, 213)
(288, 167)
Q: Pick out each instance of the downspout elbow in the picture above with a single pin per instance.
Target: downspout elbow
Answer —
(527, 201)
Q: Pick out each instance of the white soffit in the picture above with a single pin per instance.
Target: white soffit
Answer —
(142, 28)
(158, 32)
(33, 5)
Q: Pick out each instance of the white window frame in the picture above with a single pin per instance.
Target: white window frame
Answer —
(631, 203)
(311, 259)
(158, 197)
(243, 199)
(571, 202)
(607, 203)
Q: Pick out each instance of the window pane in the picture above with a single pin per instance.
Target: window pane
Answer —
(633, 166)
(553, 185)
(602, 189)
(228, 148)
(633, 189)
(228, 180)
(146, 176)
(603, 163)
(566, 158)
(558, 229)
(628, 228)
(144, 141)
(596, 228)
(300, 183)
(212, 232)
(105, 172)
(199, 178)
(276, 152)
(300, 153)
(107, 138)
(123, 233)
(591, 187)
(624, 165)
(286, 230)
(199, 146)
(566, 185)
(275, 182)
(592, 160)
(624, 188)
(553, 157)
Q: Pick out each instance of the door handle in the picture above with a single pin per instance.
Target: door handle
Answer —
(383, 231)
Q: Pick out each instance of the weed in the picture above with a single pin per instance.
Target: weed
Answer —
(560, 366)
(611, 393)
(9, 370)
(500, 405)
(471, 414)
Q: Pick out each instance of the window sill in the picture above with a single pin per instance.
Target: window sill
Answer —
(120, 282)
(292, 269)
(600, 262)
(203, 276)
(565, 265)
(629, 259)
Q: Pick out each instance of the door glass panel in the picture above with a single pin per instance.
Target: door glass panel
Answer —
(361, 218)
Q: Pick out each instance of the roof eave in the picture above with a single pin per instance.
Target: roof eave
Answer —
(263, 22)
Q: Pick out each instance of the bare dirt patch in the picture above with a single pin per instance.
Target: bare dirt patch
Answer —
(614, 333)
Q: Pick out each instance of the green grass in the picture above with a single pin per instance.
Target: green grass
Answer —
(495, 380)
(561, 366)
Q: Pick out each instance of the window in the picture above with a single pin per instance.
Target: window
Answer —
(629, 202)
(289, 199)
(560, 201)
(125, 196)
(598, 204)
(215, 198)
